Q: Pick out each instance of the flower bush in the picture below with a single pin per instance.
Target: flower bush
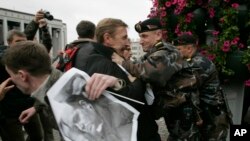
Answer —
(215, 22)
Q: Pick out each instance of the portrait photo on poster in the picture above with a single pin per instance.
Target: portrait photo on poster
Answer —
(78, 118)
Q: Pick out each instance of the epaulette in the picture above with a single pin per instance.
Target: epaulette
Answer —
(159, 44)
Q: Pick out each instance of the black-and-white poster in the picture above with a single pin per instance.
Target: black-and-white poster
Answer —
(79, 119)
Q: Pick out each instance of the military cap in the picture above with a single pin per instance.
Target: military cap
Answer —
(148, 25)
(185, 39)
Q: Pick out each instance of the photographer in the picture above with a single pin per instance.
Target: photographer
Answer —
(40, 23)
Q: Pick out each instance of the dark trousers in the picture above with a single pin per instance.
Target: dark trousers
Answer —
(12, 130)
(47, 129)
(156, 138)
(246, 104)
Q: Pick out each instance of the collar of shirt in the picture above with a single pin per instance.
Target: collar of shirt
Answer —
(40, 93)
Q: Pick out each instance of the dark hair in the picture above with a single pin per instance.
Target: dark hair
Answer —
(13, 33)
(185, 39)
(108, 25)
(28, 55)
(85, 29)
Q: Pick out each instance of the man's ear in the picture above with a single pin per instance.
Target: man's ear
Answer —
(159, 34)
(106, 38)
(190, 48)
(23, 75)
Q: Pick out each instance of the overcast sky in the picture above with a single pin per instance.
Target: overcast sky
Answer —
(73, 11)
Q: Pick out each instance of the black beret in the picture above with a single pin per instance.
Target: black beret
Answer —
(185, 39)
(148, 25)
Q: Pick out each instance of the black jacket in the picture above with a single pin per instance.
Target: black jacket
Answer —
(96, 58)
(14, 101)
(30, 32)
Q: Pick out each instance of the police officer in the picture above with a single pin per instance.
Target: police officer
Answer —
(161, 60)
(215, 113)
(157, 67)
(162, 67)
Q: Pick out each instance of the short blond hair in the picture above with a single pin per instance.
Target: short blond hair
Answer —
(108, 25)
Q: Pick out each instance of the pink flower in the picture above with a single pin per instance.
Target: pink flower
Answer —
(168, 4)
(237, 38)
(155, 3)
(188, 18)
(247, 82)
(177, 29)
(235, 5)
(215, 33)
(241, 45)
(234, 42)
(177, 11)
(174, 2)
(211, 12)
(163, 13)
(227, 1)
(211, 57)
(225, 48)
(226, 43)
(163, 8)
(203, 52)
(188, 32)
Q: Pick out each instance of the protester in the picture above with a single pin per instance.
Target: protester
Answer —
(5, 87)
(161, 60)
(14, 103)
(112, 34)
(160, 67)
(127, 53)
(163, 66)
(88, 120)
(103, 119)
(29, 66)
(86, 33)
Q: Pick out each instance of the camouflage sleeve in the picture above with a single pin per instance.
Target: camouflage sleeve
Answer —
(31, 29)
(158, 67)
(133, 68)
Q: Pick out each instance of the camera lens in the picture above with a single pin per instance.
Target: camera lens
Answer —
(48, 16)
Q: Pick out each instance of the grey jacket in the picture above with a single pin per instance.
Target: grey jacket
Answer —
(42, 103)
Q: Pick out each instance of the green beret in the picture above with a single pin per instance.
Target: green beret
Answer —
(148, 25)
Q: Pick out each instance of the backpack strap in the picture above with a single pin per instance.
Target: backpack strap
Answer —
(66, 58)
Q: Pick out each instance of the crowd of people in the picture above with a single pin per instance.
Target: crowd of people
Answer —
(185, 85)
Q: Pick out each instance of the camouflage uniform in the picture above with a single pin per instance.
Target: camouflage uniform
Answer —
(186, 93)
(157, 66)
(204, 102)
(175, 88)
(182, 118)
(214, 107)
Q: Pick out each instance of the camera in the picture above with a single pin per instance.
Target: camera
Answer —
(48, 16)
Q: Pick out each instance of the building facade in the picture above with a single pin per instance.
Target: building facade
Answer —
(136, 49)
(10, 19)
